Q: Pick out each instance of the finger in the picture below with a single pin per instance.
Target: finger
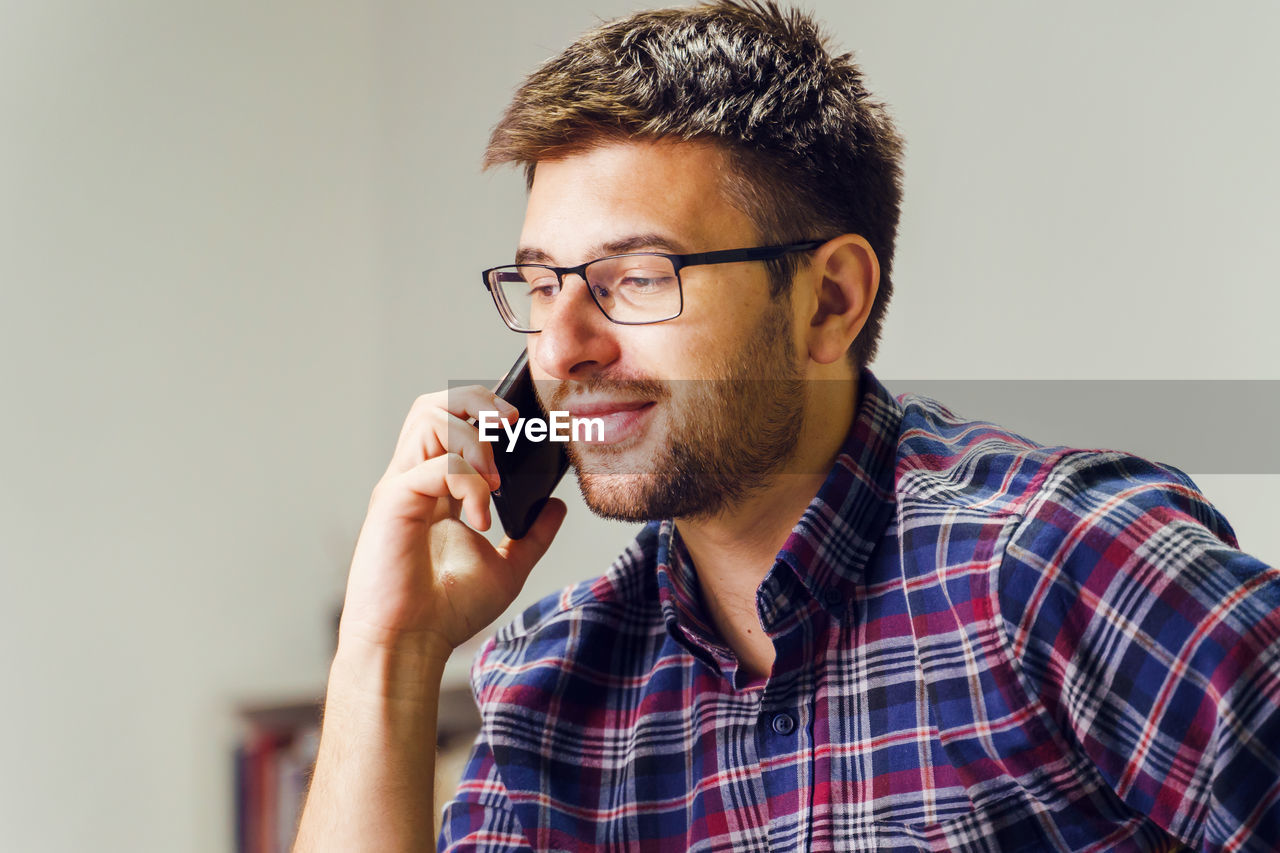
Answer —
(451, 476)
(457, 436)
(423, 435)
(469, 401)
(444, 433)
(522, 554)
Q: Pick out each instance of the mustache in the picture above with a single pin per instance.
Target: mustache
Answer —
(633, 387)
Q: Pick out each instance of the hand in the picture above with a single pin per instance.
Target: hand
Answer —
(421, 579)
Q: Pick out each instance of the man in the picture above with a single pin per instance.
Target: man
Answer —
(858, 623)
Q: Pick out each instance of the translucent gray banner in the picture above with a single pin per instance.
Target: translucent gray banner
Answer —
(1202, 426)
(1198, 426)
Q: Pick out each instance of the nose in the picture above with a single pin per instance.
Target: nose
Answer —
(577, 339)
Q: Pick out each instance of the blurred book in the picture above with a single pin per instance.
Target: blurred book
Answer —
(273, 768)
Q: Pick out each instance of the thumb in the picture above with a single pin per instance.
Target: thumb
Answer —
(521, 554)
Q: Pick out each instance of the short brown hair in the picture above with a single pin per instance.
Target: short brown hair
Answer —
(812, 154)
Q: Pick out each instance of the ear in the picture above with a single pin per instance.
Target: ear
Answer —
(844, 277)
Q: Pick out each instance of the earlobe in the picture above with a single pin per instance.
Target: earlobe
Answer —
(846, 277)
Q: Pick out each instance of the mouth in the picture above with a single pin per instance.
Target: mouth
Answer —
(621, 419)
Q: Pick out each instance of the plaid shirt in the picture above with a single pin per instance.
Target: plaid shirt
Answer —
(982, 644)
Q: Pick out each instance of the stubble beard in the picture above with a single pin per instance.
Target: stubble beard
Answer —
(725, 438)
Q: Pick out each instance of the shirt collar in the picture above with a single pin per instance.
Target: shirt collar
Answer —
(830, 545)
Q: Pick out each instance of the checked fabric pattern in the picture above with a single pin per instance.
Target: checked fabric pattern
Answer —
(982, 644)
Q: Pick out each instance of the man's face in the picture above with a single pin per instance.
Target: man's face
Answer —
(699, 411)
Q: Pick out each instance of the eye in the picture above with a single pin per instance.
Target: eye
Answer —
(640, 284)
(646, 282)
(542, 284)
(632, 278)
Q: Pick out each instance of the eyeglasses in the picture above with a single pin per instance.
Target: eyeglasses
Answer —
(632, 289)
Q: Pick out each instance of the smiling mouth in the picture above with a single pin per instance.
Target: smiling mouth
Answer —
(621, 420)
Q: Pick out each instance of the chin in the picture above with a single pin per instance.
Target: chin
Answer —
(618, 497)
(621, 483)
(649, 497)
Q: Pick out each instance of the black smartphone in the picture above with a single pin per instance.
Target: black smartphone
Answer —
(530, 470)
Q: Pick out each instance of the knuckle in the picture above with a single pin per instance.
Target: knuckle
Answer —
(429, 402)
(379, 492)
(465, 434)
(456, 463)
(414, 418)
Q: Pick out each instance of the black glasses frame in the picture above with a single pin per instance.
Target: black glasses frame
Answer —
(678, 262)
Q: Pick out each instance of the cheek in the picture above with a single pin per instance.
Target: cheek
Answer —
(688, 352)
(733, 300)
(714, 347)
(707, 335)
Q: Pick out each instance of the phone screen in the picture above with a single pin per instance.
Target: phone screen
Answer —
(530, 470)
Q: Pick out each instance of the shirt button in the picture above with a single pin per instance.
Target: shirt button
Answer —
(832, 598)
(784, 724)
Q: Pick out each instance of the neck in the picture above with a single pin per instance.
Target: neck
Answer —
(733, 551)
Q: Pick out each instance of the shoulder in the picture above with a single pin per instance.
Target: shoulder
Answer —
(1133, 618)
(571, 627)
(975, 463)
(1123, 586)
(946, 459)
(1090, 494)
(1083, 524)
(1111, 537)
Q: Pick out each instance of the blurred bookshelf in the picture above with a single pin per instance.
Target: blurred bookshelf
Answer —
(276, 749)
(273, 762)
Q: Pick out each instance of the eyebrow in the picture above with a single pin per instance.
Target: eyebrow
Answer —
(635, 243)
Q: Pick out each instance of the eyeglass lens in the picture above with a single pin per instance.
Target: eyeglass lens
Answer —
(637, 288)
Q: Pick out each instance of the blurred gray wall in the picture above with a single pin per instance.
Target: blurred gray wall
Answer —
(237, 240)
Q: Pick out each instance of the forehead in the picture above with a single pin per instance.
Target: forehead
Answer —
(617, 190)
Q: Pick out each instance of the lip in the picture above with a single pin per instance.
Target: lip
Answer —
(622, 419)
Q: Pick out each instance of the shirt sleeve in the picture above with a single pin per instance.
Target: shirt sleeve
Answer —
(1154, 643)
(479, 817)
